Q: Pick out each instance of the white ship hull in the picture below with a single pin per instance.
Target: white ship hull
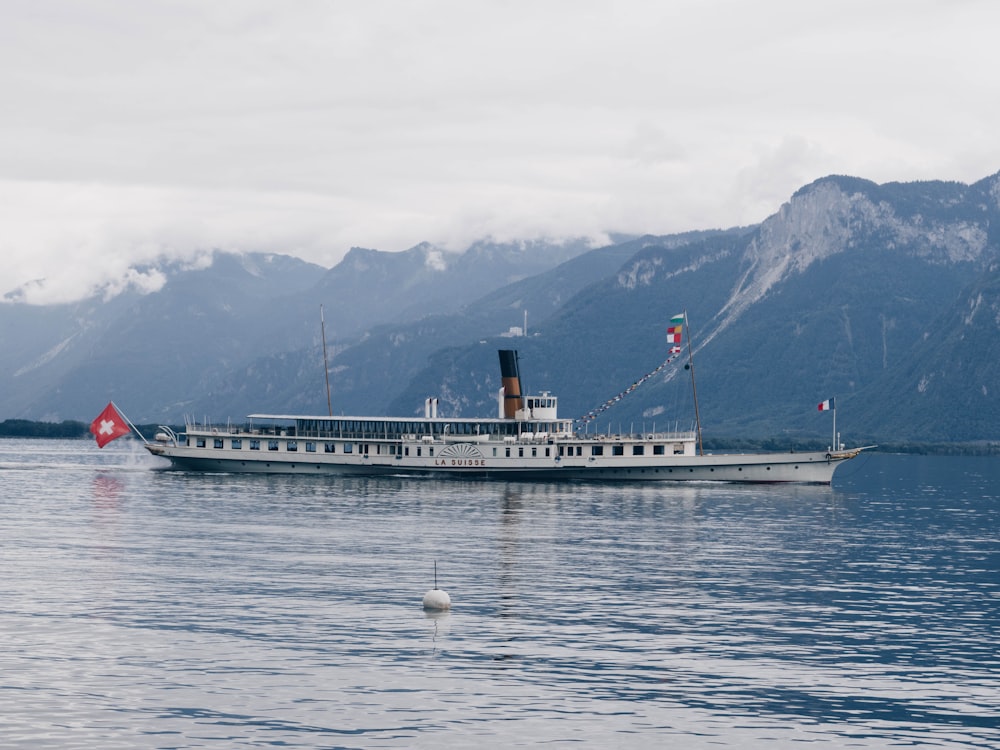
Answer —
(807, 467)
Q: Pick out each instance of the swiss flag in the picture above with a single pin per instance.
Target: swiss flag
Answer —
(109, 425)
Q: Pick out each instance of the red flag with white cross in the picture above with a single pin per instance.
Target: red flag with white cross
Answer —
(109, 425)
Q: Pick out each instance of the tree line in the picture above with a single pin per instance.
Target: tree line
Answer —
(68, 429)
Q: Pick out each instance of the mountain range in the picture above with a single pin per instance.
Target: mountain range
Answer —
(884, 297)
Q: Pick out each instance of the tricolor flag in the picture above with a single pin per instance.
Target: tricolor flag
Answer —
(674, 329)
(828, 405)
(109, 425)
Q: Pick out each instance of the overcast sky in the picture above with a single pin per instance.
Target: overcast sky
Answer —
(137, 130)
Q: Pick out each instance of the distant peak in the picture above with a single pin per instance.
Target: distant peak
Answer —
(845, 183)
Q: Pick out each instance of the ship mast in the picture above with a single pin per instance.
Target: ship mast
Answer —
(694, 388)
(326, 362)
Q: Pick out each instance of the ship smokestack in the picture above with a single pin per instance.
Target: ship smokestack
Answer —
(511, 378)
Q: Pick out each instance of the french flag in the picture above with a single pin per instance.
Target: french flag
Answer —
(828, 405)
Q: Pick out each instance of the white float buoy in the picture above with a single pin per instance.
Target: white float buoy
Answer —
(436, 599)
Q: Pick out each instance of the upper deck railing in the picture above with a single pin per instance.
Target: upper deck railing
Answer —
(438, 431)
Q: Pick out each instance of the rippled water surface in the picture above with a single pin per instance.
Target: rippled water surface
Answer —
(142, 608)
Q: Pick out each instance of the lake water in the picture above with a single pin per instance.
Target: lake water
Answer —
(142, 608)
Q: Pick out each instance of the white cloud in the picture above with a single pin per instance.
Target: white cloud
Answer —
(435, 260)
(168, 129)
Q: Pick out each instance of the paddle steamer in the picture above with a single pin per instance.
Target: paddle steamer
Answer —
(526, 440)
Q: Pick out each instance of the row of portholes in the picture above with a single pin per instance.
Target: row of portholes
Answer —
(691, 471)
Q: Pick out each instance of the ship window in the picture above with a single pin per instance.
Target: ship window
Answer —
(430, 451)
(508, 452)
(310, 447)
(520, 452)
(548, 452)
(597, 450)
(236, 444)
(657, 450)
(579, 450)
(348, 447)
(291, 445)
(329, 447)
(418, 450)
(678, 449)
(255, 445)
(217, 443)
(534, 452)
(272, 445)
(494, 453)
(406, 451)
(637, 450)
(200, 443)
(617, 450)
